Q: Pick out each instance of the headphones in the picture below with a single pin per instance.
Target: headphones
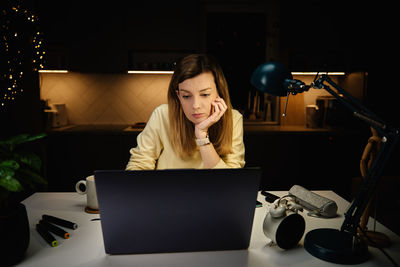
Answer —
(282, 223)
(281, 205)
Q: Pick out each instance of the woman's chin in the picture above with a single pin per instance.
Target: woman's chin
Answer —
(197, 120)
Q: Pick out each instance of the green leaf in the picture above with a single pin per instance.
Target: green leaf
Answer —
(9, 182)
(31, 177)
(35, 137)
(30, 159)
(6, 171)
(12, 164)
(17, 139)
(14, 141)
(19, 169)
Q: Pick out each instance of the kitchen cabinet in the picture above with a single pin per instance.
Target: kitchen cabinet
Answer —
(110, 38)
(71, 156)
(315, 159)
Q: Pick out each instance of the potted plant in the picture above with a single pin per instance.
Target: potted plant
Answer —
(19, 172)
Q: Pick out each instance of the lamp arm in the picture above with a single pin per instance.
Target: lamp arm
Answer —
(389, 137)
(362, 112)
(356, 210)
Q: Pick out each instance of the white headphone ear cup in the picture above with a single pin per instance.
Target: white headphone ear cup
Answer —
(276, 202)
(278, 212)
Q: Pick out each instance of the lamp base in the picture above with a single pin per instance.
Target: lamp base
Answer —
(336, 246)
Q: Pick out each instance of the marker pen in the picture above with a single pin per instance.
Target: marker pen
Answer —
(60, 222)
(54, 229)
(46, 235)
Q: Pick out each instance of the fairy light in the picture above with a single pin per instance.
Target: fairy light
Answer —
(22, 46)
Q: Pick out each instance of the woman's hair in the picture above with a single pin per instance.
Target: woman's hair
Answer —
(181, 129)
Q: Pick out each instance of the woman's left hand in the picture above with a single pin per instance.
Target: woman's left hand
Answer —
(218, 108)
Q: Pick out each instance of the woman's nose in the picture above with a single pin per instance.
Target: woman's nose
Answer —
(196, 102)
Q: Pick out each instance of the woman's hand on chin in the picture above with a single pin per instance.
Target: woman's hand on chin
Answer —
(218, 108)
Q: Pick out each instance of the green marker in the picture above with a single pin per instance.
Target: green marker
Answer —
(46, 235)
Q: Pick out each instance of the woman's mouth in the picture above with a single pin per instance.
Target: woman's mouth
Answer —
(198, 115)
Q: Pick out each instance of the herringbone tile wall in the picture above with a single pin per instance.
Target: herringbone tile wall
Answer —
(105, 98)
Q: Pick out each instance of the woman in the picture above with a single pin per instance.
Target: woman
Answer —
(198, 128)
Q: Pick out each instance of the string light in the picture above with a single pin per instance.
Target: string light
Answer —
(22, 47)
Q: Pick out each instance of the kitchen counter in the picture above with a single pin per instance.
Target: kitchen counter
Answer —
(287, 154)
(282, 128)
(248, 128)
(99, 128)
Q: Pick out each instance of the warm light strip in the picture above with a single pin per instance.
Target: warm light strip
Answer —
(150, 72)
(315, 73)
(53, 71)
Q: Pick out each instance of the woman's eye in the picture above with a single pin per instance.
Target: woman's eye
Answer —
(205, 95)
(186, 96)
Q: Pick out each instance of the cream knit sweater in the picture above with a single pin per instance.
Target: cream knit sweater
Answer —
(154, 150)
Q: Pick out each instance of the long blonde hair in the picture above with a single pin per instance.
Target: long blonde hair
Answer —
(181, 129)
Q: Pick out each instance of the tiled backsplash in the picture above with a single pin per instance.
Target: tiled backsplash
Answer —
(105, 98)
(131, 98)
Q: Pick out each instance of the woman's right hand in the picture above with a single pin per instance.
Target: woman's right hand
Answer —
(218, 108)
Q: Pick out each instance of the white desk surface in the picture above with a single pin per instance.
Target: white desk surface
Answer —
(85, 245)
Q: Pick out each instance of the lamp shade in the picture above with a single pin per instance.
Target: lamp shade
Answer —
(269, 78)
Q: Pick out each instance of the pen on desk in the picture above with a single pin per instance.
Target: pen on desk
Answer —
(46, 235)
(60, 222)
(54, 229)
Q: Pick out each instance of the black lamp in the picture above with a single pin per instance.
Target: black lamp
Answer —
(339, 246)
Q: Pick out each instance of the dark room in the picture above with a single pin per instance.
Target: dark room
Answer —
(219, 133)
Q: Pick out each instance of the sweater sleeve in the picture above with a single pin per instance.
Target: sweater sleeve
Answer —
(149, 146)
(236, 158)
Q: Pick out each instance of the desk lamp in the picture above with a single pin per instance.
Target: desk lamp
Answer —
(334, 245)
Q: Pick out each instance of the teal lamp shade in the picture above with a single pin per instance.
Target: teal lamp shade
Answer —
(269, 78)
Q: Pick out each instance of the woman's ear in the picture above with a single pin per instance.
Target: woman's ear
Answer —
(218, 95)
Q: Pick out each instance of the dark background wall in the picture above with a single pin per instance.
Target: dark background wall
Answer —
(92, 36)
(89, 36)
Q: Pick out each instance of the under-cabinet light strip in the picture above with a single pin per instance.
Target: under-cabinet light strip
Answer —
(315, 73)
(171, 72)
(53, 71)
(150, 72)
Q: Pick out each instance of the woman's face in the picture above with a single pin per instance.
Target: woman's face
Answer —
(196, 95)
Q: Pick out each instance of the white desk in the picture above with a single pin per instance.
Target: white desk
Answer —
(85, 245)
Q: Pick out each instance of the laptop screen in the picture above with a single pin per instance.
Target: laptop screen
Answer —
(154, 211)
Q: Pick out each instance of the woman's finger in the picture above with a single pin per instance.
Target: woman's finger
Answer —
(220, 111)
(222, 102)
(216, 113)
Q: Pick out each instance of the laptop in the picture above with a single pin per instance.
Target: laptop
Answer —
(159, 211)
